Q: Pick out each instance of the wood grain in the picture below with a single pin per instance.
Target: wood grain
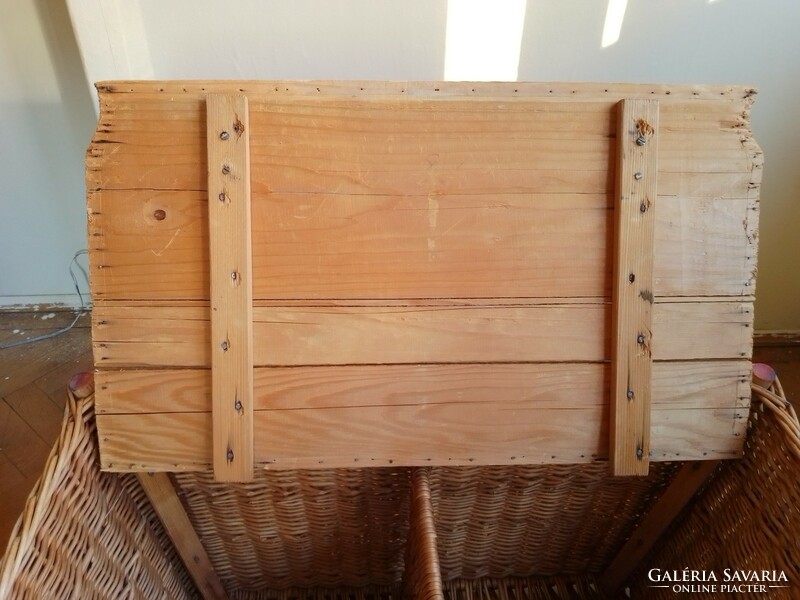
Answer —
(231, 275)
(165, 501)
(632, 286)
(414, 435)
(409, 413)
(178, 336)
(327, 246)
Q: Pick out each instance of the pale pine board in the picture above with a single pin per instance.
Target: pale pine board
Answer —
(329, 246)
(175, 336)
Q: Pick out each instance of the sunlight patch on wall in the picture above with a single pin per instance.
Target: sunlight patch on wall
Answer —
(483, 40)
(615, 15)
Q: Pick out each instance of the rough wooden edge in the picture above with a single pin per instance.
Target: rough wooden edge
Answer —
(433, 88)
(165, 501)
(228, 139)
(632, 285)
(683, 487)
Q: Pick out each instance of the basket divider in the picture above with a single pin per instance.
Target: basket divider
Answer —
(231, 269)
(632, 286)
(168, 507)
(423, 577)
(688, 480)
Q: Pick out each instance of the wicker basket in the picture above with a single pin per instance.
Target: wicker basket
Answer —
(461, 533)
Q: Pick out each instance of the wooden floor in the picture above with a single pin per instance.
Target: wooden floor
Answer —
(33, 379)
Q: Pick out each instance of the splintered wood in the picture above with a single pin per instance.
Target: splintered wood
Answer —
(439, 274)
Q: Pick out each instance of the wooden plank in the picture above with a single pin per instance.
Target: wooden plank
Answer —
(368, 88)
(179, 336)
(231, 276)
(461, 412)
(332, 246)
(683, 487)
(415, 435)
(39, 412)
(165, 501)
(677, 384)
(632, 287)
(392, 146)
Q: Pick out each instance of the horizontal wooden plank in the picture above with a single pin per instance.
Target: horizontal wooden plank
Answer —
(453, 434)
(146, 244)
(406, 145)
(676, 385)
(175, 336)
(564, 90)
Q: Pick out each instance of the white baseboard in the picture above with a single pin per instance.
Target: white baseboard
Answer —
(42, 302)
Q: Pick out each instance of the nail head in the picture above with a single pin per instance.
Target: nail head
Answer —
(637, 176)
(224, 135)
(630, 394)
(224, 346)
(226, 169)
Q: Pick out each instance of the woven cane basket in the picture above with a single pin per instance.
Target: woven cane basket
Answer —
(500, 533)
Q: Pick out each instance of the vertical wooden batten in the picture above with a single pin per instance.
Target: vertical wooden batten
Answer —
(228, 139)
(165, 501)
(632, 288)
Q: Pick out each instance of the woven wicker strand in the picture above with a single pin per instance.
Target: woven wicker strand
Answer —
(749, 515)
(85, 534)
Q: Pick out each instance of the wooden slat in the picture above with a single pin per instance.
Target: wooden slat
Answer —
(410, 413)
(682, 488)
(557, 89)
(450, 434)
(632, 287)
(680, 385)
(178, 336)
(330, 246)
(231, 276)
(165, 501)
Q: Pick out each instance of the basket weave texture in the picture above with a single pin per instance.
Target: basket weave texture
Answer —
(505, 533)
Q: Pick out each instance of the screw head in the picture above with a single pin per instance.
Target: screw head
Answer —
(238, 405)
(224, 345)
(630, 394)
(637, 176)
(641, 140)
(226, 169)
(640, 338)
(234, 275)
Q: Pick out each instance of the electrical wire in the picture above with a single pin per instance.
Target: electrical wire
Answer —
(81, 311)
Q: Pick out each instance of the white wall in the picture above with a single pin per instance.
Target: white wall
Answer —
(691, 41)
(46, 117)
